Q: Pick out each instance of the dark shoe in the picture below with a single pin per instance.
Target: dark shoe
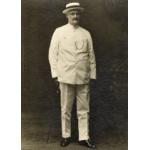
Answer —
(88, 143)
(65, 141)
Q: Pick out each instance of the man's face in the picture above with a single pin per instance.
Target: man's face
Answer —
(73, 17)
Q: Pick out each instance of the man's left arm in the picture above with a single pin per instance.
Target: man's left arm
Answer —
(91, 58)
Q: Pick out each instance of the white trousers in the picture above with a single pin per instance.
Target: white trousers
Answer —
(82, 94)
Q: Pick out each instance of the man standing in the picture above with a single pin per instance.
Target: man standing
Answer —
(72, 62)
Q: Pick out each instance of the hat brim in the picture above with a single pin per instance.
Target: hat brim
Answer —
(73, 8)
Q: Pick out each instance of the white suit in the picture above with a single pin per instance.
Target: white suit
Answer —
(71, 55)
(72, 61)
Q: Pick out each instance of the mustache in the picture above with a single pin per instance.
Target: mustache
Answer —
(75, 19)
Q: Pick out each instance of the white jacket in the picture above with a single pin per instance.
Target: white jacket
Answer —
(71, 55)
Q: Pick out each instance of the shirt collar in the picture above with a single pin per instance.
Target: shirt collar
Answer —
(72, 27)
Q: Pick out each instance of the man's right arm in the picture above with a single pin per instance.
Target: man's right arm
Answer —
(53, 53)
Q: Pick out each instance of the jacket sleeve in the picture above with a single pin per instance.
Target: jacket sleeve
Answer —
(91, 58)
(53, 53)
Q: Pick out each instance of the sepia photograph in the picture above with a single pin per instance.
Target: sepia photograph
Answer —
(74, 74)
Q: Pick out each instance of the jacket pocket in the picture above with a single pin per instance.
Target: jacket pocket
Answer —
(81, 45)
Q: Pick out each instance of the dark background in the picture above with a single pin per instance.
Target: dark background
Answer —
(107, 20)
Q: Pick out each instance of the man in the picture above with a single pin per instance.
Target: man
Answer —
(72, 62)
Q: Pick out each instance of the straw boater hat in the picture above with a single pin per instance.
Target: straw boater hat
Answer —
(72, 6)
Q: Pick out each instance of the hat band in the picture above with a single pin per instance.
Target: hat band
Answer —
(75, 7)
(72, 4)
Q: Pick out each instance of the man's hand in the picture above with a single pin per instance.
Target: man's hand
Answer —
(57, 85)
(55, 81)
